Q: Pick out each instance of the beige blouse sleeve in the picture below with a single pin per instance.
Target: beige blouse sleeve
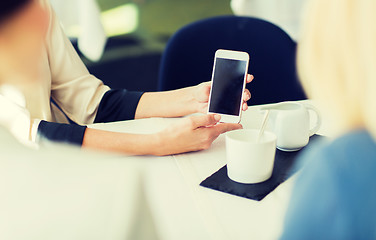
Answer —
(73, 88)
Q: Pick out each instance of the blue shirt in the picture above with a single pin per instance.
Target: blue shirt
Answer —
(335, 193)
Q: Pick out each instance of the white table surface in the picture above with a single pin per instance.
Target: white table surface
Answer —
(184, 210)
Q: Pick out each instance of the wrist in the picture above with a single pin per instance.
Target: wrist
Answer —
(157, 144)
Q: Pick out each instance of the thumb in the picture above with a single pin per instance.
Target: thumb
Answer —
(226, 127)
(205, 120)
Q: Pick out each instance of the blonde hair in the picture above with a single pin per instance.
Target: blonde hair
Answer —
(337, 60)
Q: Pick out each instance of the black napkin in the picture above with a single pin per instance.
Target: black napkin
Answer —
(283, 169)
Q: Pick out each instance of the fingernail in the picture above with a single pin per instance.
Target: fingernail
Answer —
(217, 117)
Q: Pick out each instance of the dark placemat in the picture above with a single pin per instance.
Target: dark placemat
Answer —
(283, 169)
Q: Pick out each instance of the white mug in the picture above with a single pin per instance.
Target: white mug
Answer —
(292, 124)
(250, 161)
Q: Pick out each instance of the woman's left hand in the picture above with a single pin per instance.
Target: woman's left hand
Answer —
(202, 92)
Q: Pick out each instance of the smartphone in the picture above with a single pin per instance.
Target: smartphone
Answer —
(228, 84)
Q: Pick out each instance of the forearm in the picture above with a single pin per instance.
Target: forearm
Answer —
(175, 103)
(133, 144)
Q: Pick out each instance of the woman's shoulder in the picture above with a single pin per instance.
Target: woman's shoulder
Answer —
(358, 141)
(348, 160)
(335, 192)
(354, 152)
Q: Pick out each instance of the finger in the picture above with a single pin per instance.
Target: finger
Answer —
(245, 107)
(250, 78)
(246, 95)
(205, 120)
(225, 127)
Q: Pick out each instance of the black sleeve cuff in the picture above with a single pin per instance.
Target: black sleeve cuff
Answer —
(61, 132)
(118, 105)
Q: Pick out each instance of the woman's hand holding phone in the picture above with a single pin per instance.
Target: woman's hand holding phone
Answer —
(202, 93)
(197, 132)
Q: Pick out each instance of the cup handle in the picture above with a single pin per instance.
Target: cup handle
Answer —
(318, 122)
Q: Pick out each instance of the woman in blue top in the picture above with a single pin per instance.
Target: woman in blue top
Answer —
(335, 193)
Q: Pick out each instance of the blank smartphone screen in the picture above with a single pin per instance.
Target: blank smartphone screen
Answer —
(228, 80)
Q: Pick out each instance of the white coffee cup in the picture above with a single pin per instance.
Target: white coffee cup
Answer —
(249, 161)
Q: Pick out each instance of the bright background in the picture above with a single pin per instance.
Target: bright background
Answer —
(138, 31)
